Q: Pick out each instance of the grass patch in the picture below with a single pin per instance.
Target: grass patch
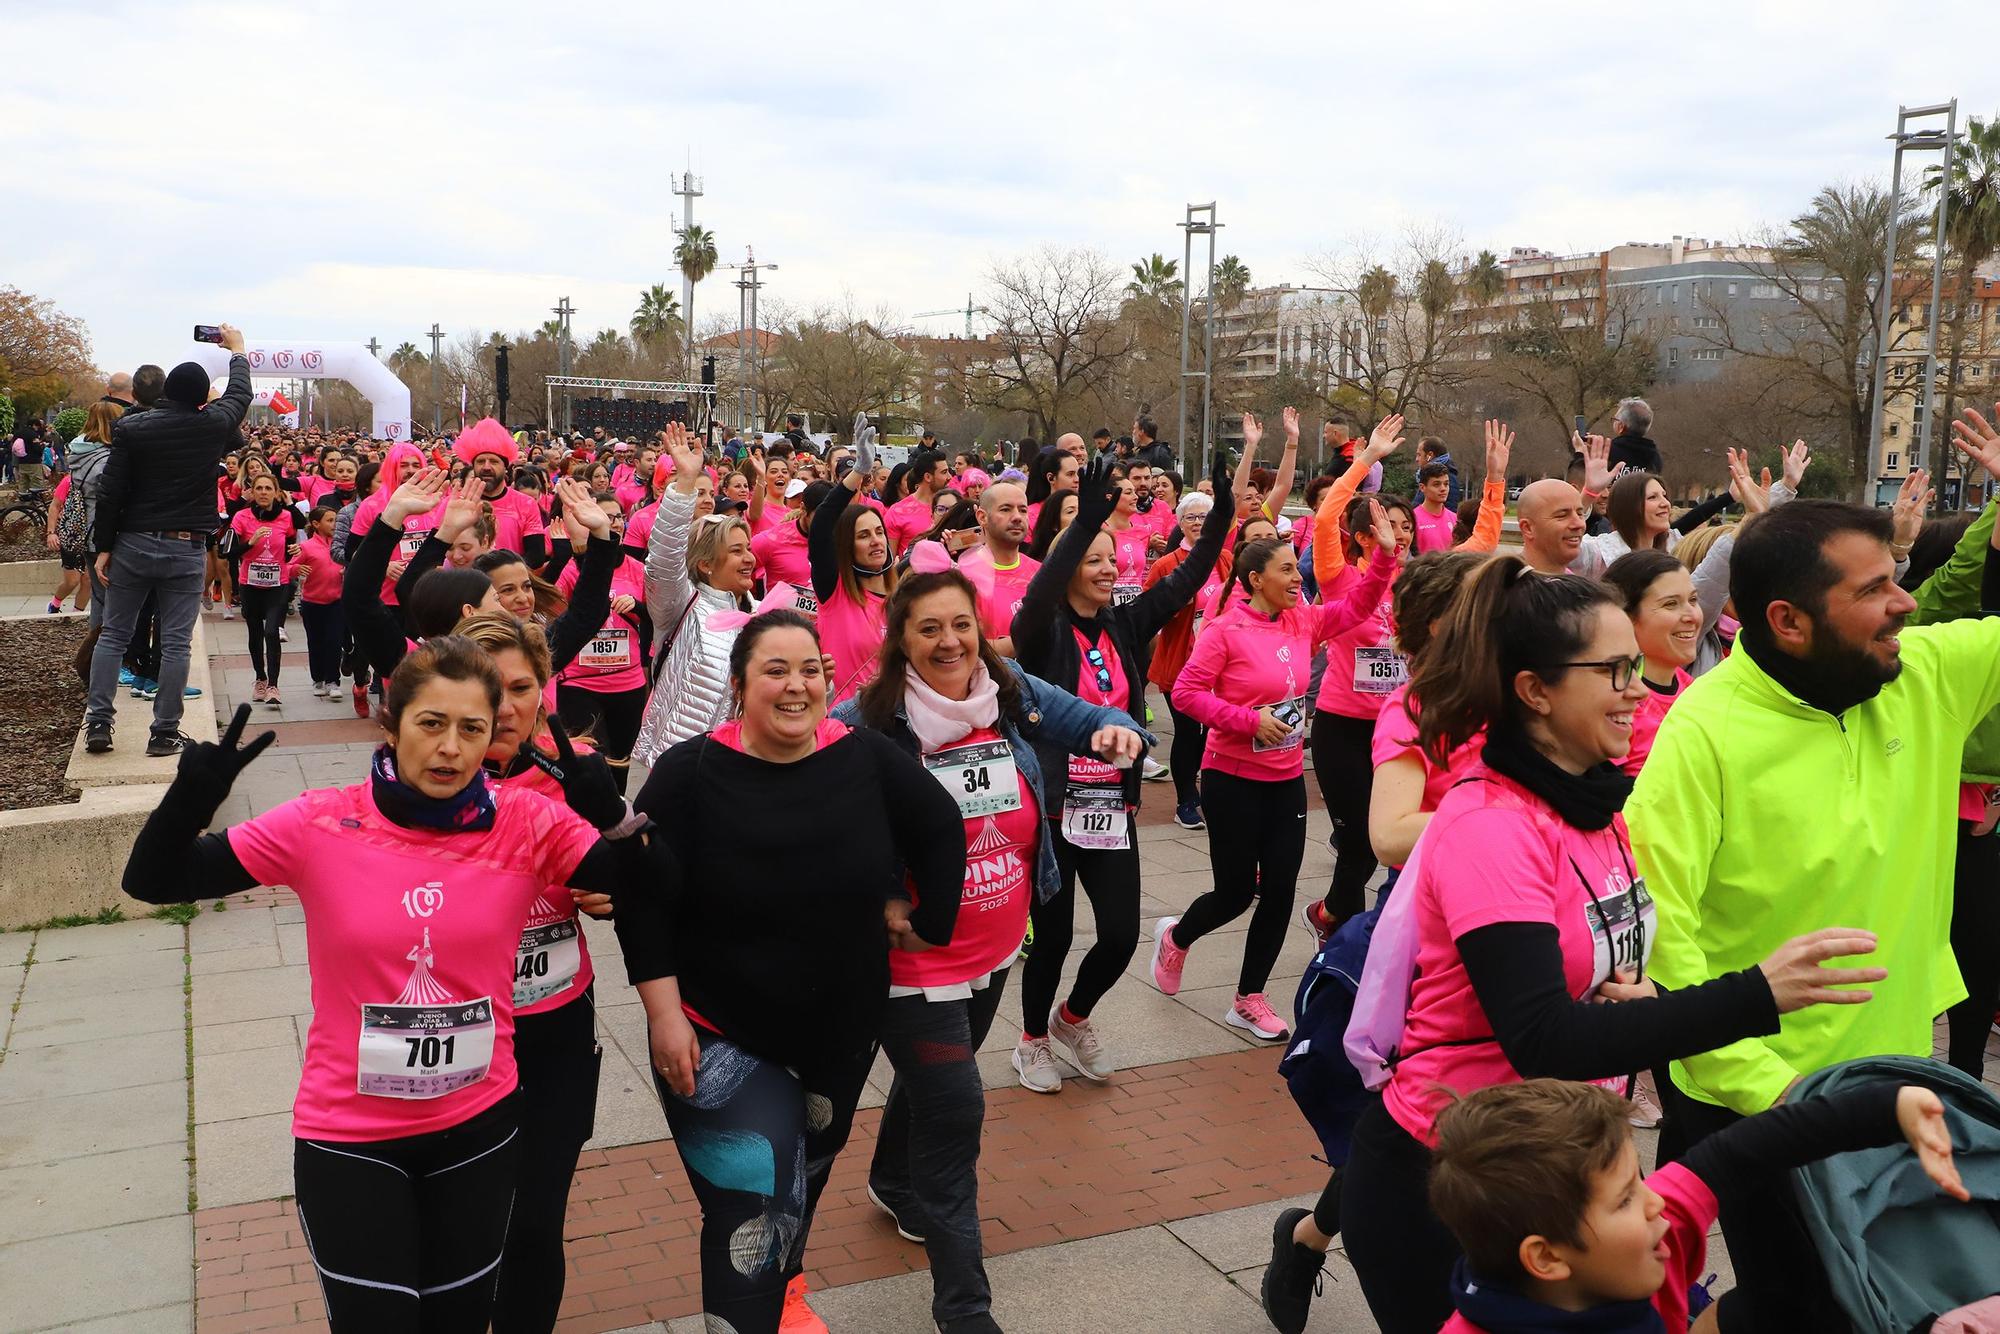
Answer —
(178, 913)
(102, 917)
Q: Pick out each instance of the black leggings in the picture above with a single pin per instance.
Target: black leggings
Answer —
(557, 1054)
(1400, 1251)
(263, 617)
(1975, 942)
(1190, 737)
(406, 1233)
(326, 639)
(1256, 840)
(1344, 764)
(1111, 883)
(926, 1164)
(758, 1143)
(611, 718)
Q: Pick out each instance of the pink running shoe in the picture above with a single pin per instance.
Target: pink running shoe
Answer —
(1254, 1015)
(1168, 958)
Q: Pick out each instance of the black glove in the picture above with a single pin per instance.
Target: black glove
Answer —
(586, 780)
(1096, 495)
(209, 769)
(1219, 478)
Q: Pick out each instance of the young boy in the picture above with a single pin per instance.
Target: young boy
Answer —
(1435, 517)
(1541, 1186)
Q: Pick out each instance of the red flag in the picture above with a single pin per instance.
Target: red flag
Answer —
(281, 405)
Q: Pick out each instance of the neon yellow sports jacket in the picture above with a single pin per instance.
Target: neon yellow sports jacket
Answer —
(1758, 818)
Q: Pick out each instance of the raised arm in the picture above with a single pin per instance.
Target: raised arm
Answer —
(378, 628)
(1329, 550)
(1044, 598)
(172, 860)
(1154, 607)
(669, 589)
(1487, 527)
(590, 597)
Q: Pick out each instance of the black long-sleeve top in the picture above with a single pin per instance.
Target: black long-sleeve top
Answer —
(1045, 646)
(819, 542)
(1748, 1154)
(1516, 971)
(776, 933)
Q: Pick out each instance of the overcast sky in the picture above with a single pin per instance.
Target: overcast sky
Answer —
(340, 171)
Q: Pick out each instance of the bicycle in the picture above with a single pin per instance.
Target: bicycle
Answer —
(27, 519)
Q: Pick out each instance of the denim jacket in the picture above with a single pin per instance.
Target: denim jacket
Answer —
(1056, 719)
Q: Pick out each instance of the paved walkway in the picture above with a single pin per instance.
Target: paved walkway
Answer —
(147, 1070)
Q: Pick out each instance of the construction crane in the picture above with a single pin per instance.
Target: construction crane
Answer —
(969, 311)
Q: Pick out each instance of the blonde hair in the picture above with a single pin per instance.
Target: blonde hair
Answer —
(97, 423)
(706, 542)
(1695, 546)
(496, 632)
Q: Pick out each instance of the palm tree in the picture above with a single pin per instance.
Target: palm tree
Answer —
(1374, 292)
(658, 318)
(1156, 278)
(406, 355)
(695, 255)
(1232, 279)
(1972, 230)
(1486, 282)
(607, 342)
(551, 329)
(1436, 290)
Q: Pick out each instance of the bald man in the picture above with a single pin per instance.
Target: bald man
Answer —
(118, 389)
(997, 567)
(1551, 515)
(1070, 443)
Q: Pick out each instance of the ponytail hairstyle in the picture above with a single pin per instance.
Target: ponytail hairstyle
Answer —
(1356, 520)
(1424, 591)
(1506, 621)
(439, 600)
(883, 695)
(1252, 560)
(496, 632)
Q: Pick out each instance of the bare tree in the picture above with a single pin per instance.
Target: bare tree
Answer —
(838, 363)
(1574, 357)
(1827, 264)
(1056, 312)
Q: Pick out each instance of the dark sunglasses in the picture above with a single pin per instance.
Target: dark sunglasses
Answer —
(1095, 657)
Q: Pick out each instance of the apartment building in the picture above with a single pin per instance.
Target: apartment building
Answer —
(1978, 383)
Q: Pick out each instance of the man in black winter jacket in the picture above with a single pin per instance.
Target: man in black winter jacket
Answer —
(1630, 445)
(155, 510)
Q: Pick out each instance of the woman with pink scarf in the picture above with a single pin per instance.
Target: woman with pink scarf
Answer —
(944, 695)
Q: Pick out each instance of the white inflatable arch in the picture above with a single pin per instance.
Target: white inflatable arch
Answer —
(310, 359)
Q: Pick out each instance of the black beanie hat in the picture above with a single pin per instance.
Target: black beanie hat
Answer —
(187, 384)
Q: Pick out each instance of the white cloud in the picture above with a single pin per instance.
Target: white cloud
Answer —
(344, 171)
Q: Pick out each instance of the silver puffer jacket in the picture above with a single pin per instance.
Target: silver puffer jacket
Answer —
(691, 692)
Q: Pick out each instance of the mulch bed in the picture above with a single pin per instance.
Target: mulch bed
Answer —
(41, 708)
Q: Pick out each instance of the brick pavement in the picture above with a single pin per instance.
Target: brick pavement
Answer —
(1156, 1144)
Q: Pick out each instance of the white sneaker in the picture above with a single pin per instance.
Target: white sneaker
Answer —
(283, 638)
(1154, 771)
(1036, 1065)
(1086, 1053)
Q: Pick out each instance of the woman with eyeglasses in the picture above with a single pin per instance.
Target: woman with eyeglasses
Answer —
(696, 569)
(1527, 914)
(1071, 632)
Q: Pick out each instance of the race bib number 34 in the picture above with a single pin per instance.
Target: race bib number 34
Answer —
(424, 1051)
(981, 777)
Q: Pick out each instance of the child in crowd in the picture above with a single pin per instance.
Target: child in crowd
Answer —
(319, 602)
(1540, 1184)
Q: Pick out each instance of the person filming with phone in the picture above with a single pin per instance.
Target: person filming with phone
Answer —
(155, 510)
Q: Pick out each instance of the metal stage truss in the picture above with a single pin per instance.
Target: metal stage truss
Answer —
(686, 389)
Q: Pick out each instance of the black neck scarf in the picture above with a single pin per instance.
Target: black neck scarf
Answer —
(466, 811)
(1585, 801)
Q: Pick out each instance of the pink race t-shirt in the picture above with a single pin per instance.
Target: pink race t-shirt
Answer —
(411, 939)
(1000, 588)
(1362, 664)
(1494, 852)
(1646, 720)
(853, 635)
(999, 876)
(516, 518)
(773, 514)
(1128, 546)
(907, 520)
(1396, 736)
(639, 527)
(781, 555)
(1434, 530)
(552, 962)
(1105, 685)
(261, 560)
(610, 662)
(323, 573)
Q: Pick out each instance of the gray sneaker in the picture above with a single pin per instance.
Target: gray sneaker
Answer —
(1036, 1065)
(1086, 1053)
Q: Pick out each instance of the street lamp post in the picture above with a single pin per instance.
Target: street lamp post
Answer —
(1200, 222)
(1906, 141)
(437, 404)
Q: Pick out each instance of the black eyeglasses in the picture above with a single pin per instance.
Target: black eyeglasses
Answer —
(1095, 658)
(1620, 670)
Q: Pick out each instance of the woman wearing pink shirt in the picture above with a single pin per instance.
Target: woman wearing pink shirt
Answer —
(602, 690)
(1666, 617)
(853, 573)
(973, 719)
(263, 545)
(1529, 914)
(415, 884)
(1246, 682)
(403, 462)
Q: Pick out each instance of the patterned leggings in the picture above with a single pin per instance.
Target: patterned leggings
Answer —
(758, 1143)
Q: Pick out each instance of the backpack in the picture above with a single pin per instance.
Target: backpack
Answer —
(1897, 1252)
(1316, 1069)
(73, 524)
(1373, 1036)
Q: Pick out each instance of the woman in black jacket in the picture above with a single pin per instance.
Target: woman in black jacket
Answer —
(1068, 633)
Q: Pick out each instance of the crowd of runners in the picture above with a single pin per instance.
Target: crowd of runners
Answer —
(1676, 810)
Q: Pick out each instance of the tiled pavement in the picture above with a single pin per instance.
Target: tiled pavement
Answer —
(1142, 1204)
